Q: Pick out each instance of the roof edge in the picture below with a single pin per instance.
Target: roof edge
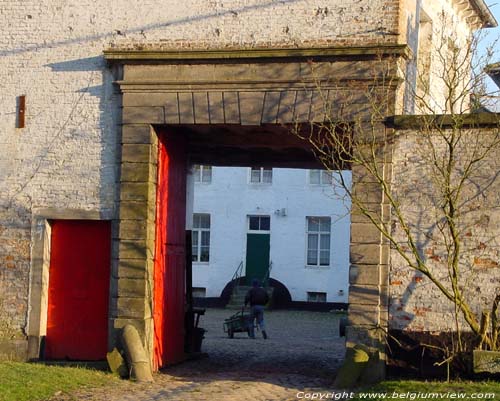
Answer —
(472, 120)
(493, 70)
(485, 13)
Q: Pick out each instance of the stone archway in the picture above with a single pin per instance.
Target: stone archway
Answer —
(234, 89)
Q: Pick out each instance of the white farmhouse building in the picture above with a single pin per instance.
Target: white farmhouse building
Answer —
(295, 220)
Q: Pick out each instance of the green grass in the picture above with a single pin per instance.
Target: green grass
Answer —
(411, 390)
(33, 382)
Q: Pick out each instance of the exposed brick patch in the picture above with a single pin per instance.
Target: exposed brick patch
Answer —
(487, 263)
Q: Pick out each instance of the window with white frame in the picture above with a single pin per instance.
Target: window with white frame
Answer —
(202, 173)
(201, 238)
(318, 241)
(261, 175)
(320, 177)
(316, 296)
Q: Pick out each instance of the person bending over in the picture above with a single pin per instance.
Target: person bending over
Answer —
(257, 298)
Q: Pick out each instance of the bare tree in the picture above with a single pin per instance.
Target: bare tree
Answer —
(443, 192)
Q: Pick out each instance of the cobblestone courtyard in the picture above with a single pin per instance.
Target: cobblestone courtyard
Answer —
(303, 352)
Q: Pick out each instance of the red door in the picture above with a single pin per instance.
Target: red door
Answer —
(77, 320)
(169, 271)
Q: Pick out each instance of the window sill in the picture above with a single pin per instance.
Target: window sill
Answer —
(200, 263)
(316, 267)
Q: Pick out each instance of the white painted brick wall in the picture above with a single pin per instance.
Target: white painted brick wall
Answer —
(415, 303)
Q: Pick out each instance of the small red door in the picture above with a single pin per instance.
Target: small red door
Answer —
(77, 319)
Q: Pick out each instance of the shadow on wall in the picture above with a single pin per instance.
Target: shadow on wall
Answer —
(143, 29)
(109, 119)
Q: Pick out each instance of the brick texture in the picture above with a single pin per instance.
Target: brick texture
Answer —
(415, 303)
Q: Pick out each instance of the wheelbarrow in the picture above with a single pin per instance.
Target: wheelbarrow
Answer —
(240, 322)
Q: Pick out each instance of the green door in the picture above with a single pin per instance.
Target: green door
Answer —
(257, 258)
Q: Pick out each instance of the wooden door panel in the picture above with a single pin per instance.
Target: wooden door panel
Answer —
(170, 259)
(257, 256)
(78, 298)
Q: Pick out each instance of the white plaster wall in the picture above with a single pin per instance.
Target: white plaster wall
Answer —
(230, 198)
(449, 25)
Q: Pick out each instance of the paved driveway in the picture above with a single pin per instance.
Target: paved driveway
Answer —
(302, 353)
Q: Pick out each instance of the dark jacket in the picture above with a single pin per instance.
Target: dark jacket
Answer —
(256, 296)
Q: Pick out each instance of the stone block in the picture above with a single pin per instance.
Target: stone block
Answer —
(367, 193)
(366, 335)
(251, 104)
(135, 229)
(486, 361)
(360, 274)
(361, 175)
(137, 153)
(33, 348)
(144, 99)
(138, 172)
(186, 110)
(137, 191)
(131, 268)
(385, 254)
(201, 109)
(375, 209)
(216, 107)
(172, 108)
(302, 106)
(141, 134)
(271, 107)
(143, 115)
(133, 249)
(286, 107)
(231, 108)
(364, 294)
(363, 315)
(365, 233)
(318, 106)
(368, 254)
(132, 308)
(130, 210)
(133, 287)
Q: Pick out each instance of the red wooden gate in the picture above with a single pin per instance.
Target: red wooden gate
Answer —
(169, 270)
(77, 318)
